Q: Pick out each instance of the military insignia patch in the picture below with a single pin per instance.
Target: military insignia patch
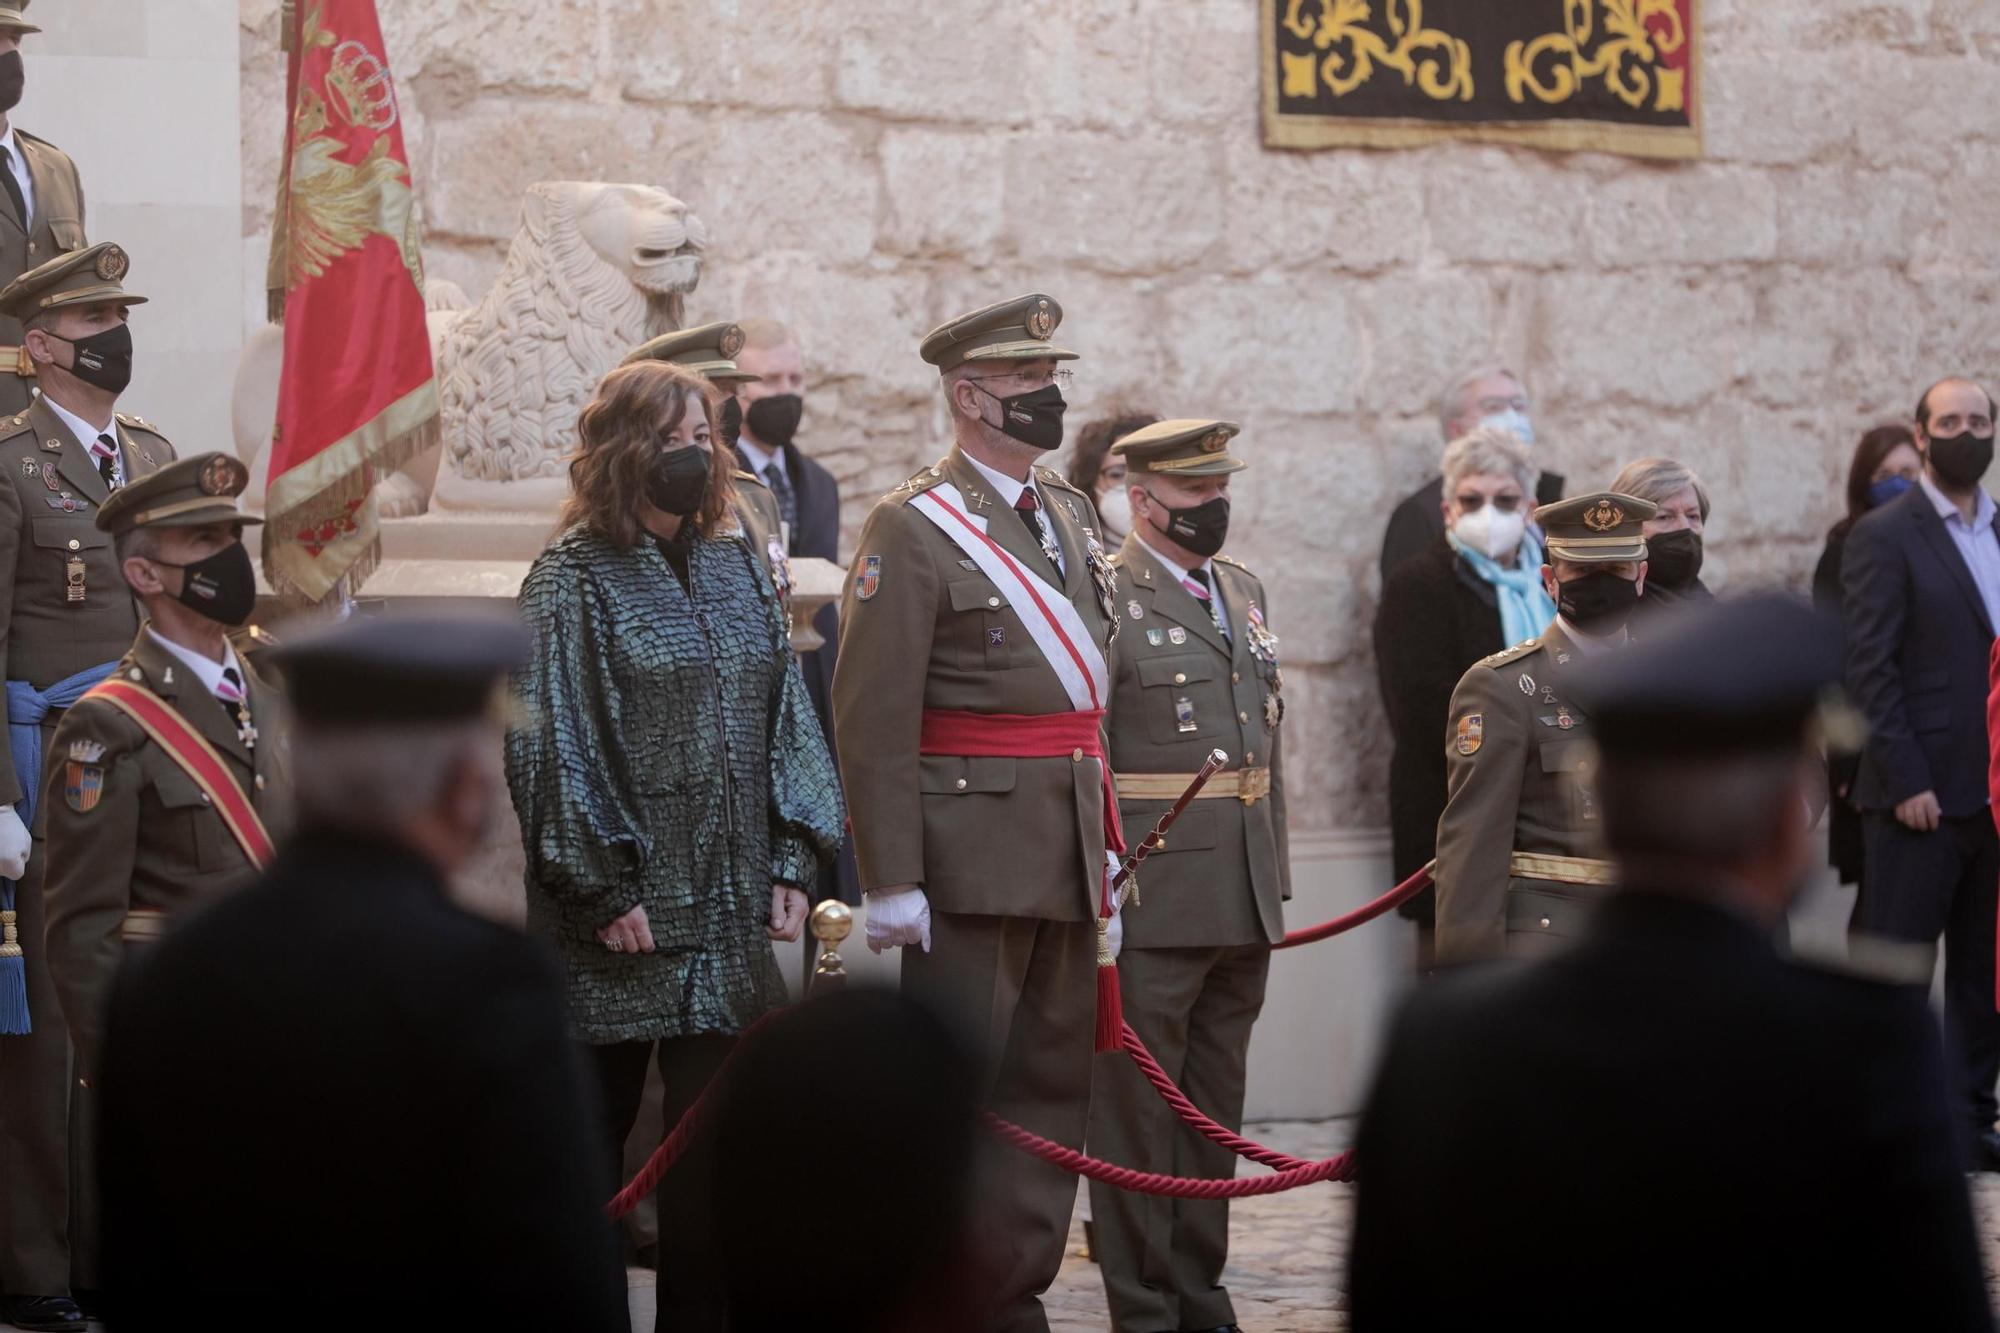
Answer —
(220, 474)
(1564, 720)
(996, 637)
(1471, 734)
(1184, 716)
(972, 565)
(30, 469)
(1134, 610)
(1156, 637)
(868, 578)
(1177, 635)
(1603, 516)
(49, 478)
(1041, 322)
(1527, 684)
(731, 342)
(83, 782)
(1274, 711)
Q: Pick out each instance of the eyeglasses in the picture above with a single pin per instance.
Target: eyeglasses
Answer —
(1038, 379)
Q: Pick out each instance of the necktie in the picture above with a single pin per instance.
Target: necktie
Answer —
(230, 690)
(13, 185)
(781, 488)
(1030, 510)
(105, 451)
(1196, 582)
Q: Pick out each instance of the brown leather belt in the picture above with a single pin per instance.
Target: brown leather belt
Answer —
(16, 361)
(1248, 785)
(143, 923)
(1561, 869)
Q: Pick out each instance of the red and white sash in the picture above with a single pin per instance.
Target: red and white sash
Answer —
(192, 753)
(1052, 621)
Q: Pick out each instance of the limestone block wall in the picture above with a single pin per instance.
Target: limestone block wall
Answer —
(869, 167)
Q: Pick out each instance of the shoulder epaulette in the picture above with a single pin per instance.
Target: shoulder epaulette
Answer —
(127, 419)
(1514, 654)
(1050, 477)
(741, 475)
(17, 424)
(922, 481)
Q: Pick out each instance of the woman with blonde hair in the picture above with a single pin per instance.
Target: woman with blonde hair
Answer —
(675, 795)
(1674, 534)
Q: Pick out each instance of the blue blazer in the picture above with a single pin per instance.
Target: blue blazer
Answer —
(1917, 643)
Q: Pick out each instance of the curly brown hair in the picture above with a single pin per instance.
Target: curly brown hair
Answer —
(636, 407)
(1093, 444)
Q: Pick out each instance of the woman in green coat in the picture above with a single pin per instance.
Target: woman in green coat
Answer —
(675, 794)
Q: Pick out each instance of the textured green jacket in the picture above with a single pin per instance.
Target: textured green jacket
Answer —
(671, 759)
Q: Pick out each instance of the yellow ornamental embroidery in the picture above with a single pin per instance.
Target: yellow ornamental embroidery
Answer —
(1429, 59)
(1636, 35)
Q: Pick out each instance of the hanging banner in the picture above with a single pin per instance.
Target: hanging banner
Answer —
(357, 398)
(1612, 76)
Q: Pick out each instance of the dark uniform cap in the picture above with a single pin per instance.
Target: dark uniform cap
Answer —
(14, 17)
(709, 351)
(1016, 330)
(379, 670)
(184, 494)
(81, 277)
(1181, 448)
(1743, 675)
(1596, 529)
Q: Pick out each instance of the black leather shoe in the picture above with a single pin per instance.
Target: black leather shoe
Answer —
(45, 1314)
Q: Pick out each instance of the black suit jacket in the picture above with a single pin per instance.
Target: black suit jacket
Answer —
(1917, 644)
(1667, 1127)
(336, 1099)
(1436, 619)
(1419, 519)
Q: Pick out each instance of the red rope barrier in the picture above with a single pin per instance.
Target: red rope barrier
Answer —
(1173, 1187)
(1388, 902)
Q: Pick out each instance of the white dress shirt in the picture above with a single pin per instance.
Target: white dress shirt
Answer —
(86, 435)
(1976, 542)
(1207, 567)
(208, 672)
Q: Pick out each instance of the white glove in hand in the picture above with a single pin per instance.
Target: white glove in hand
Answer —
(898, 919)
(14, 844)
(1114, 935)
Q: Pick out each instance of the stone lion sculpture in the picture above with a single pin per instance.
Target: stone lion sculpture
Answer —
(594, 270)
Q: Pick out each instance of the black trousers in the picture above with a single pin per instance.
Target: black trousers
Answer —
(688, 1298)
(1917, 886)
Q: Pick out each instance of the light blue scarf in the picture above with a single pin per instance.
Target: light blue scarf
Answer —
(1525, 606)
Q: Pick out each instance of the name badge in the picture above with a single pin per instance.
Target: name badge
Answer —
(1184, 715)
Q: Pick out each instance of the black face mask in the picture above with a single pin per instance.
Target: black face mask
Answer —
(222, 586)
(1963, 459)
(1598, 603)
(677, 481)
(775, 420)
(729, 420)
(1673, 559)
(104, 358)
(1199, 528)
(1034, 419)
(13, 79)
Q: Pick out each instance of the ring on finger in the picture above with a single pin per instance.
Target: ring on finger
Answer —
(614, 945)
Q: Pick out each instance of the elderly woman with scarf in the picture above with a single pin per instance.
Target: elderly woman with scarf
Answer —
(675, 794)
(1476, 590)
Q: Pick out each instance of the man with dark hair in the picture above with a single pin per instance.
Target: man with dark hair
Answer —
(1921, 597)
(1672, 1125)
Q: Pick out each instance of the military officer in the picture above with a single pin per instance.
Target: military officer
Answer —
(1195, 669)
(41, 213)
(65, 616)
(1519, 859)
(979, 590)
(710, 351)
(152, 771)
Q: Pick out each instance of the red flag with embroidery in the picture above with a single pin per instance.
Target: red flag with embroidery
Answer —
(358, 397)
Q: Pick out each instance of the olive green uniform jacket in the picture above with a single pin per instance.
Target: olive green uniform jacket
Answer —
(151, 840)
(1181, 690)
(55, 228)
(1519, 758)
(64, 606)
(921, 627)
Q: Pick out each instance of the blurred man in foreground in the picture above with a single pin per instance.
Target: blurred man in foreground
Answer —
(336, 1100)
(1670, 1125)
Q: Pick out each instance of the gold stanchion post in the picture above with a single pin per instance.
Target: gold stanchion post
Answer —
(831, 922)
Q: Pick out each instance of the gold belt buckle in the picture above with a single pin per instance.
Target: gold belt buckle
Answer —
(1253, 785)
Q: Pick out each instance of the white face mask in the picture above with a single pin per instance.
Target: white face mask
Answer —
(1114, 510)
(1515, 421)
(1490, 532)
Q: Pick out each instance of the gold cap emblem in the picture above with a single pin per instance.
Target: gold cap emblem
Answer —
(1212, 442)
(221, 475)
(731, 342)
(1041, 323)
(112, 264)
(1603, 516)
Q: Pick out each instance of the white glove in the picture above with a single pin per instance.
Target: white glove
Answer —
(1111, 866)
(895, 920)
(14, 844)
(1114, 935)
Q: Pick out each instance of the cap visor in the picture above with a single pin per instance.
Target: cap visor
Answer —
(93, 296)
(1217, 466)
(1595, 555)
(1025, 350)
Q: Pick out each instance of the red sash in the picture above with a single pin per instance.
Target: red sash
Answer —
(951, 731)
(196, 758)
